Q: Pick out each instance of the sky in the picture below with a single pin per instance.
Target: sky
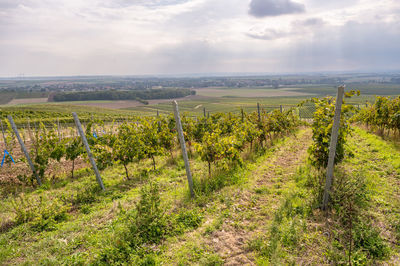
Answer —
(147, 37)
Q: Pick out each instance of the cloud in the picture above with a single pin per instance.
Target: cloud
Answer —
(269, 8)
(297, 28)
(147, 3)
(267, 34)
(8, 4)
(74, 37)
(311, 22)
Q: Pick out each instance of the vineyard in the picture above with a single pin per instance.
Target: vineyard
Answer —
(257, 181)
(383, 115)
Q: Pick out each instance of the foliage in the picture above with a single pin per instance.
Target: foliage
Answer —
(148, 131)
(218, 149)
(46, 146)
(10, 141)
(167, 134)
(122, 95)
(41, 214)
(147, 224)
(127, 146)
(351, 198)
(383, 115)
(73, 149)
(322, 129)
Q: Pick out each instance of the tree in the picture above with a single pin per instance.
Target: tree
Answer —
(74, 149)
(127, 145)
(151, 143)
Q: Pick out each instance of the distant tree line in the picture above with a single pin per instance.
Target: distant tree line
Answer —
(139, 95)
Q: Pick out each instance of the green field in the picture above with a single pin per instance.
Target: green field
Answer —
(263, 212)
(52, 111)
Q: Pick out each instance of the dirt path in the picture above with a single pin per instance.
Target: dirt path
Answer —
(254, 207)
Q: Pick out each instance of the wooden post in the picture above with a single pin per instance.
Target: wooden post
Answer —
(29, 130)
(24, 135)
(332, 147)
(183, 146)
(89, 153)
(159, 122)
(242, 112)
(204, 111)
(258, 111)
(4, 135)
(58, 129)
(281, 108)
(21, 143)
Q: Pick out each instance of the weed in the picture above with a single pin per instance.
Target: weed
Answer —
(144, 227)
(41, 214)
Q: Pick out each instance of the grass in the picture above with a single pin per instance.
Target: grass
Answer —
(300, 232)
(92, 214)
(265, 212)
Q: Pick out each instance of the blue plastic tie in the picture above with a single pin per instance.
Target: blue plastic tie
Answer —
(4, 157)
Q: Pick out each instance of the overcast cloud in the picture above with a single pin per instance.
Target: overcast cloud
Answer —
(265, 8)
(135, 37)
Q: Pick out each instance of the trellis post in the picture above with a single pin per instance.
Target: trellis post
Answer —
(21, 143)
(183, 147)
(89, 153)
(4, 136)
(332, 147)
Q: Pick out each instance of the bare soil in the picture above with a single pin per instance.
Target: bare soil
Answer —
(248, 92)
(27, 101)
(231, 242)
(130, 104)
(9, 172)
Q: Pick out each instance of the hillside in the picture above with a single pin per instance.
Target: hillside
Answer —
(261, 213)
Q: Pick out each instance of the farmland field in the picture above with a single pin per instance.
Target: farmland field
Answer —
(25, 101)
(199, 132)
(232, 224)
(258, 181)
(250, 92)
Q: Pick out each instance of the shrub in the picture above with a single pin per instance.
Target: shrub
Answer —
(367, 238)
(144, 227)
(42, 214)
(187, 219)
(322, 129)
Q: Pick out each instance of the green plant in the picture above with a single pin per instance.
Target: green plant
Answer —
(218, 149)
(166, 135)
(322, 129)
(127, 146)
(383, 115)
(144, 226)
(368, 239)
(40, 213)
(350, 199)
(46, 145)
(74, 149)
(149, 136)
(187, 219)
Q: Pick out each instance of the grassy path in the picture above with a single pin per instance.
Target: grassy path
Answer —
(301, 234)
(379, 159)
(239, 213)
(254, 207)
(267, 216)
